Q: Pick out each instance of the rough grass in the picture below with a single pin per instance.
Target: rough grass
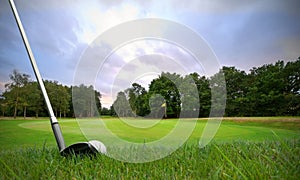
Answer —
(237, 160)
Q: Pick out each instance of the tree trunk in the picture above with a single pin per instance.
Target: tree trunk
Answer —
(166, 116)
(91, 106)
(25, 108)
(15, 111)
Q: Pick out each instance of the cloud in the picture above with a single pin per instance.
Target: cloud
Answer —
(50, 32)
(250, 38)
(290, 47)
(96, 19)
(2, 86)
(10, 43)
(141, 61)
(227, 7)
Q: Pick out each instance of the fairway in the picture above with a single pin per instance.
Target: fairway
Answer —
(38, 132)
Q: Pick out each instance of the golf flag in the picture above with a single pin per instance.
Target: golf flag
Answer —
(163, 105)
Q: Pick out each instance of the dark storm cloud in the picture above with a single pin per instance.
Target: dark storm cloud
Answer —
(51, 33)
(249, 34)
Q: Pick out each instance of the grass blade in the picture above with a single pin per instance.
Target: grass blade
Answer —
(10, 170)
(230, 162)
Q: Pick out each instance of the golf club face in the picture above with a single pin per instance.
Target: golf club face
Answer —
(85, 148)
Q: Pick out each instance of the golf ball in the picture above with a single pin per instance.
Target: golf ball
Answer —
(99, 146)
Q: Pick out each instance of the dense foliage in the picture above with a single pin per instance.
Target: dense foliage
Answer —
(24, 98)
(269, 90)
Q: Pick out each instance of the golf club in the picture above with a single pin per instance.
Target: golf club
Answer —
(91, 147)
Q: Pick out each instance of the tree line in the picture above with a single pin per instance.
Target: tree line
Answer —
(22, 97)
(269, 90)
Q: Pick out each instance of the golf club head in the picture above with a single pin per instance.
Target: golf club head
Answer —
(85, 148)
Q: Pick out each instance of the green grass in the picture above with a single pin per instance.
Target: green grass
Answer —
(255, 148)
(236, 160)
(37, 132)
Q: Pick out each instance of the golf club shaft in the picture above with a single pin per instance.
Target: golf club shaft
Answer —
(54, 123)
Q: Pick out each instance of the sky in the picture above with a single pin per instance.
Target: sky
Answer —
(241, 33)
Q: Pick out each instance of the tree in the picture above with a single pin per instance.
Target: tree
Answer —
(166, 85)
(34, 98)
(158, 107)
(138, 99)
(292, 77)
(266, 93)
(19, 80)
(86, 101)
(204, 92)
(112, 111)
(236, 91)
(59, 97)
(105, 111)
(97, 102)
(189, 96)
(142, 104)
(292, 91)
(3, 106)
(121, 106)
(218, 94)
(266, 87)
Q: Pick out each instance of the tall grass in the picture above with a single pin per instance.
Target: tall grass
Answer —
(238, 160)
